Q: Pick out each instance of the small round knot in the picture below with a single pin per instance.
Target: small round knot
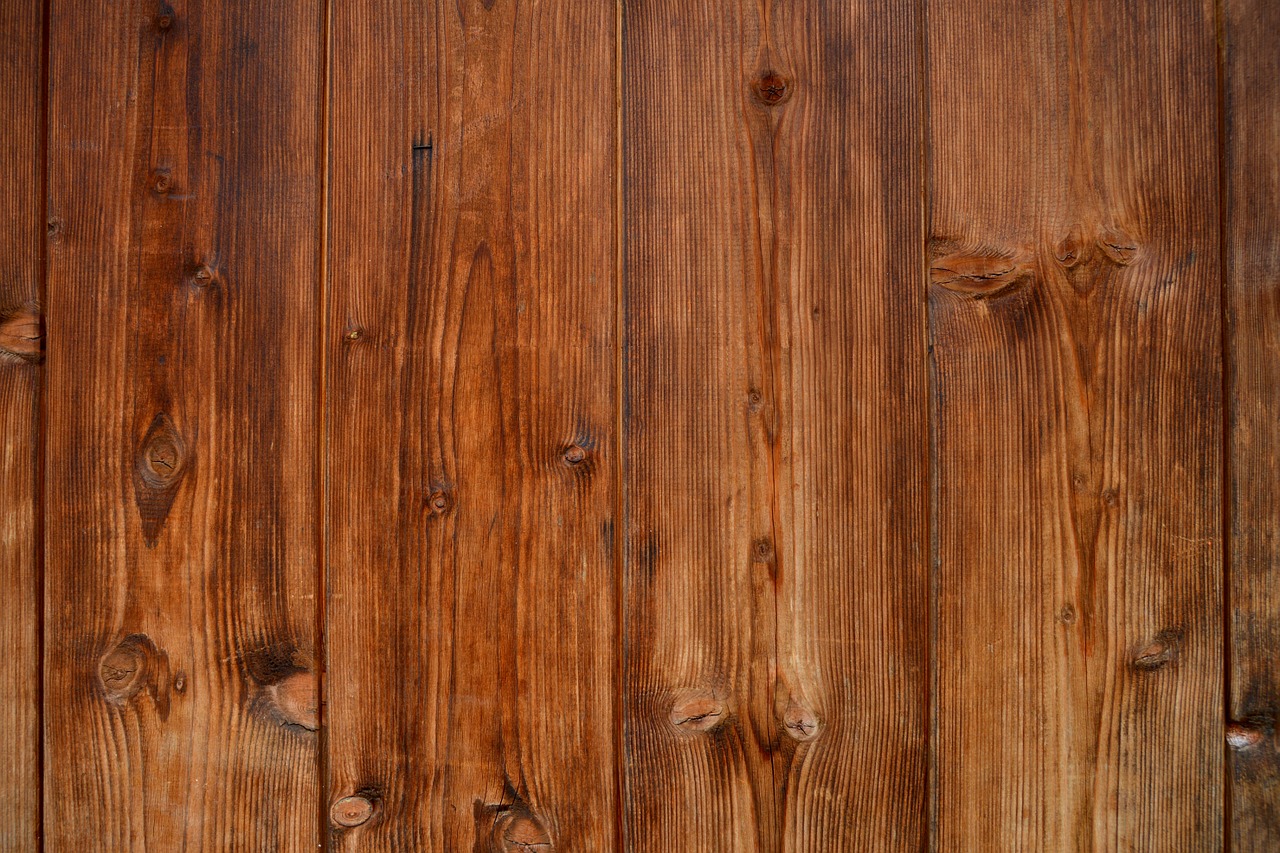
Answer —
(1119, 247)
(771, 88)
(203, 276)
(799, 722)
(1071, 248)
(351, 811)
(755, 401)
(700, 712)
(355, 333)
(123, 670)
(574, 455)
(438, 503)
(523, 832)
(1067, 615)
(762, 550)
(180, 683)
(1242, 736)
(1159, 652)
(297, 699)
(161, 182)
(164, 22)
(53, 229)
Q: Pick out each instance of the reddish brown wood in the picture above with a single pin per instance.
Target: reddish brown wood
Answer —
(21, 241)
(470, 426)
(1252, 250)
(1074, 320)
(184, 189)
(775, 609)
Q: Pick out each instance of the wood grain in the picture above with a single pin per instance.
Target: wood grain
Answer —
(1252, 251)
(470, 345)
(1074, 322)
(21, 245)
(180, 700)
(776, 461)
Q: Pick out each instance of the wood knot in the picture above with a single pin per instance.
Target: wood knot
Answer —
(771, 88)
(353, 335)
(1067, 615)
(439, 502)
(1160, 652)
(351, 811)
(799, 722)
(161, 182)
(1243, 735)
(164, 21)
(573, 455)
(755, 401)
(203, 276)
(123, 671)
(980, 276)
(297, 700)
(53, 229)
(1073, 248)
(135, 665)
(762, 550)
(1119, 247)
(698, 712)
(158, 470)
(22, 335)
(289, 690)
(518, 830)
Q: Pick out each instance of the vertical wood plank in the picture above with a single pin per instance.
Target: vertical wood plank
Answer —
(776, 457)
(470, 347)
(1252, 210)
(21, 239)
(180, 702)
(1074, 317)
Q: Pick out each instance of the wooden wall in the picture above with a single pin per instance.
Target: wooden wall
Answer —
(653, 425)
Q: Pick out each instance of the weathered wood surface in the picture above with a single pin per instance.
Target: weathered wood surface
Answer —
(181, 575)
(1252, 250)
(776, 463)
(1074, 284)
(639, 425)
(470, 347)
(21, 269)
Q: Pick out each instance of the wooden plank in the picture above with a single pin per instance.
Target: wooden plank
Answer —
(21, 261)
(1074, 321)
(471, 354)
(1252, 250)
(776, 453)
(181, 511)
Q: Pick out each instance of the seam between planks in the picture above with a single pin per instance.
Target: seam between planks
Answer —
(38, 513)
(1220, 44)
(321, 427)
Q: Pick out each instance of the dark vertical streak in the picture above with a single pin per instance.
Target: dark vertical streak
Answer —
(1224, 333)
(322, 480)
(38, 529)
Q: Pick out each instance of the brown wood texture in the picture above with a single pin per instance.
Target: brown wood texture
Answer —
(776, 457)
(183, 273)
(1252, 251)
(640, 425)
(21, 269)
(1074, 286)
(471, 349)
